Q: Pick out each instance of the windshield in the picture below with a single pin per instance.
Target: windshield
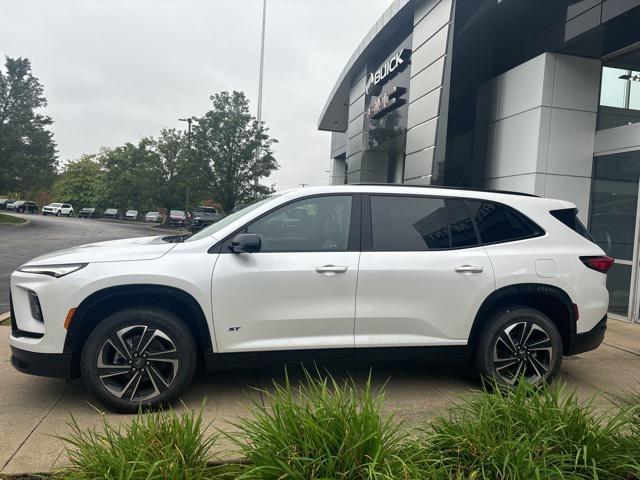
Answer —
(220, 224)
(56, 205)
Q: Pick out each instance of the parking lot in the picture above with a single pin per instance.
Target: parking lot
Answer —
(46, 234)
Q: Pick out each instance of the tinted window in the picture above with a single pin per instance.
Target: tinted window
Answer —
(499, 223)
(462, 232)
(312, 224)
(408, 223)
(569, 216)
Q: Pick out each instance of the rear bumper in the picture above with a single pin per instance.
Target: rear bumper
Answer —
(57, 365)
(583, 342)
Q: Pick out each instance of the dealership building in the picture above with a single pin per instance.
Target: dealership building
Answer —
(535, 96)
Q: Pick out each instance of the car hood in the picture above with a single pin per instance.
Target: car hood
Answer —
(128, 249)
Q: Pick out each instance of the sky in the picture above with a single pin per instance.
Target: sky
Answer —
(115, 71)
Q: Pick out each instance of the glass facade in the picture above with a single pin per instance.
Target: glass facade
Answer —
(619, 98)
(612, 220)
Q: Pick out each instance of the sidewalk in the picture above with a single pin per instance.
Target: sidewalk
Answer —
(33, 410)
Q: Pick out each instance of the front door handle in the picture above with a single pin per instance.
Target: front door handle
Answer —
(331, 269)
(469, 269)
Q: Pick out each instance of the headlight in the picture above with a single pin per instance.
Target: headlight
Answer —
(52, 270)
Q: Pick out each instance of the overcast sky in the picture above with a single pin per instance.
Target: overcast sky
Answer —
(118, 70)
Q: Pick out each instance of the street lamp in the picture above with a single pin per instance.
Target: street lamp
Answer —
(189, 120)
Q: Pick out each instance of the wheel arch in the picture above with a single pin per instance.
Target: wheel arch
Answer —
(554, 302)
(102, 303)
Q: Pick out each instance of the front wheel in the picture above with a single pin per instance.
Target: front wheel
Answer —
(138, 358)
(58, 213)
(519, 343)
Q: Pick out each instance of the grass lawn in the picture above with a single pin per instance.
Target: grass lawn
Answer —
(10, 220)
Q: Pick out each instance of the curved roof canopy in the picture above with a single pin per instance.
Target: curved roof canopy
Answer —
(336, 110)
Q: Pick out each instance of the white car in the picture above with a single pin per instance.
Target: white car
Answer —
(509, 281)
(58, 209)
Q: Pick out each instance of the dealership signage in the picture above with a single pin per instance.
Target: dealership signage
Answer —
(383, 104)
(387, 70)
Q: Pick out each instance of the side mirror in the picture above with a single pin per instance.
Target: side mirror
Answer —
(246, 243)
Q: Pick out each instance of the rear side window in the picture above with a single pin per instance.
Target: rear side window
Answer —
(569, 216)
(499, 223)
(409, 223)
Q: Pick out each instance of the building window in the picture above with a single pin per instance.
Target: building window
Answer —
(619, 98)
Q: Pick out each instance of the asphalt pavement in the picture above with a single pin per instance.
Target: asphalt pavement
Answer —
(48, 234)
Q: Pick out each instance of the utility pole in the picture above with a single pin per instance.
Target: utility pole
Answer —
(189, 120)
(259, 111)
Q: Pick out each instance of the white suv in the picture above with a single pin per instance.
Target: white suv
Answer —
(510, 281)
(58, 209)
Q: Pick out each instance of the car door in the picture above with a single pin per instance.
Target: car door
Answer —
(422, 274)
(298, 291)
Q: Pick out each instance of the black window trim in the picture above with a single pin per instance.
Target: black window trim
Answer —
(355, 226)
(367, 222)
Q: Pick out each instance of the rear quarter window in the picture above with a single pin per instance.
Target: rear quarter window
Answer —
(499, 223)
(569, 216)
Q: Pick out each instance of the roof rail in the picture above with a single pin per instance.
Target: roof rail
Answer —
(505, 192)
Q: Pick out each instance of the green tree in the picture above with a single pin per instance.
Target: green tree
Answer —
(81, 183)
(236, 147)
(133, 176)
(27, 151)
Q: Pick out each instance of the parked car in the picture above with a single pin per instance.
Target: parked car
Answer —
(11, 206)
(88, 212)
(203, 217)
(131, 215)
(4, 202)
(111, 213)
(23, 206)
(177, 218)
(510, 281)
(155, 217)
(58, 209)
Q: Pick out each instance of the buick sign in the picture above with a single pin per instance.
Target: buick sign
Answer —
(387, 70)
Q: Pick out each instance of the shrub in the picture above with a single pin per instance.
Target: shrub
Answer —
(158, 445)
(530, 433)
(324, 430)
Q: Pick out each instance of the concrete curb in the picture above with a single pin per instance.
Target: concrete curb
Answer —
(26, 223)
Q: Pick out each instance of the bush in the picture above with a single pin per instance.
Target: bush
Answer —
(324, 430)
(530, 433)
(159, 445)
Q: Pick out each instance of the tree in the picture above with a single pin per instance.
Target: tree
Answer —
(27, 151)
(133, 175)
(81, 183)
(236, 147)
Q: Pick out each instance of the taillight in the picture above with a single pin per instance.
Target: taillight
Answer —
(600, 263)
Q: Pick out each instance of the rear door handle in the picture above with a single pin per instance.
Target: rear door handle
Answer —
(331, 269)
(469, 269)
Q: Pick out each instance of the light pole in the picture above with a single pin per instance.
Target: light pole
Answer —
(189, 120)
(260, 75)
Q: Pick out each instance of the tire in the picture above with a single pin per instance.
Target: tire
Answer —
(58, 213)
(144, 382)
(519, 342)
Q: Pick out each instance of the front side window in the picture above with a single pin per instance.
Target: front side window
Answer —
(408, 223)
(311, 224)
(499, 223)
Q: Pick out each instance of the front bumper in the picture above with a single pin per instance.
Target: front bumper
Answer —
(583, 342)
(57, 365)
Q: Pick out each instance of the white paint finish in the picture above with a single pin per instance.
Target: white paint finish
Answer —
(430, 51)
(516, 144)
(282, 312)
(577, 83)
(571, 138)
(424, 109)
(546, 268)
(427, 308)
(574, 189)
(427, 80)
(419, 163)
(615, 139)
(521, 88)
(422, 136)
(437, 18)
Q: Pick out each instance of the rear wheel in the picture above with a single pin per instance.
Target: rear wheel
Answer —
(139, 357)
(519, 343)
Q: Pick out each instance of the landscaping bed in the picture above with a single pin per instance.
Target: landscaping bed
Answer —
(323, 429)
(11, 220)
